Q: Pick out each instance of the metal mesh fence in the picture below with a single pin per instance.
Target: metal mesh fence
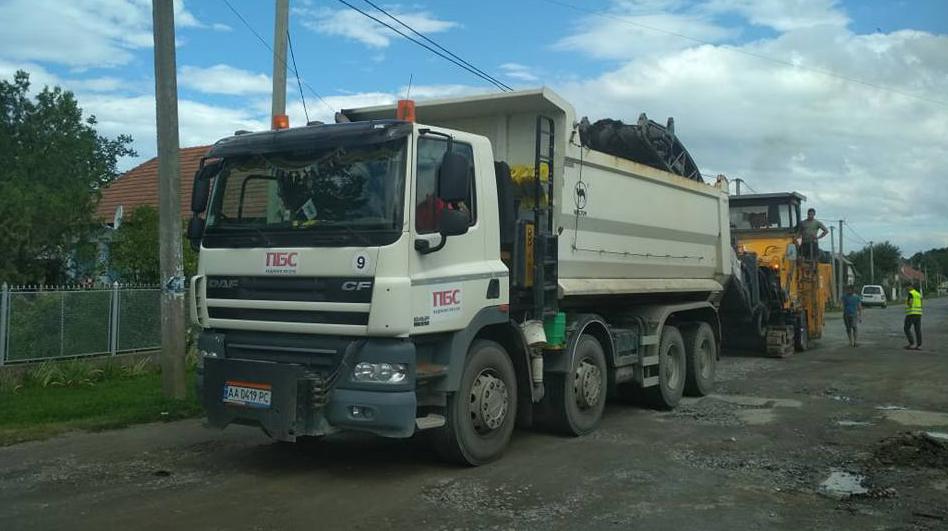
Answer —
(38, 324)
(139, 319)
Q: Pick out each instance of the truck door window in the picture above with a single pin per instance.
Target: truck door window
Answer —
(428, 205)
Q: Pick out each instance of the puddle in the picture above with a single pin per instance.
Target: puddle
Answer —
(841, 485)
(912, 417)
(756, 417)
(757, 401)
(853, 423)
(890, 408)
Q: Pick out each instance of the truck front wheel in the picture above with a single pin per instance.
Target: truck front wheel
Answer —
(575, 400)
(480, 416)
(671, 371)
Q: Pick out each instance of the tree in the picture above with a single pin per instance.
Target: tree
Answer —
(134, 250)
(885, 261)
(53, 164)
(934, 262)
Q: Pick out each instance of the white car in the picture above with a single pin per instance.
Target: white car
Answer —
(873, 296)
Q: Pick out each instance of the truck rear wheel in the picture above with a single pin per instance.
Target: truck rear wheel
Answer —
(671, 371)
(575, 400)
(480, 416)
(701, 355)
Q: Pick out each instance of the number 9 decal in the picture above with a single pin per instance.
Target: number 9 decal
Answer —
(360, 262)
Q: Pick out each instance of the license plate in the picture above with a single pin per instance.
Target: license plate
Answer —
(247, 394)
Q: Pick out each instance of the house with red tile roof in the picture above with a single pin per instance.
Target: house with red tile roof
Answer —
(139, 186)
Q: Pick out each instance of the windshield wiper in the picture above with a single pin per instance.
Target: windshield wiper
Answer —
(263, 238)
(349, 229)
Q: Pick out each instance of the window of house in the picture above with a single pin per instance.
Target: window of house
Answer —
(428, 205)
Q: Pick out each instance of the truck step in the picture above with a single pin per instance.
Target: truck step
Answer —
(427, 371)
(429, 422)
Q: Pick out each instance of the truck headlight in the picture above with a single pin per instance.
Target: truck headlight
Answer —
(386, 373)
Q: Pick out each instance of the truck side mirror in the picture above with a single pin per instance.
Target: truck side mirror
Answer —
(453, 222)
(202, 186)
(195, 232)
(453, 177)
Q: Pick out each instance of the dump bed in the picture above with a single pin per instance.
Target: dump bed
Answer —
(624, 227)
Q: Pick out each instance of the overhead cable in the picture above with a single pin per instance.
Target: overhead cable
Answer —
(442, 48)
(427, 47)
(296, 71)
(267, 45)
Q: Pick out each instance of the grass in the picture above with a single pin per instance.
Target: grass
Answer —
(50, 402)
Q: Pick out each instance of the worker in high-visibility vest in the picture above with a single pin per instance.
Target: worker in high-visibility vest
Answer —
(913, 319)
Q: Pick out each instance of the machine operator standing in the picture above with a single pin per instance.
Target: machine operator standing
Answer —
(810, 231)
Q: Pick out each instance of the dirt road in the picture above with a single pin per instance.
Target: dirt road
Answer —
(752, 456)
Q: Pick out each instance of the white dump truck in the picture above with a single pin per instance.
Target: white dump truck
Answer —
(473, 270)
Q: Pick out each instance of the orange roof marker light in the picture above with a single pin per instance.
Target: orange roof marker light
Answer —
(281, 121)
(405, 110)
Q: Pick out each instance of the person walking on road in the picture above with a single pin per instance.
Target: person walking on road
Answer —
(852, 314)
(913, 319)
(810, 231)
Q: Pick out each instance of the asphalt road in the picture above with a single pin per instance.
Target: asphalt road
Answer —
(752, 456)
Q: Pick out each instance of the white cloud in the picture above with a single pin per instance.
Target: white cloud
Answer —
(519, 72)
(199, 123)
(784, 15)
(80, 33)
(224, 79)
(637, 28)
(355, 26)
(874, 157)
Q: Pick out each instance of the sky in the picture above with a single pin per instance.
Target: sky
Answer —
(845, 102)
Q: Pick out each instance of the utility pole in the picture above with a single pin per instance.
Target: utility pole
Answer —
(169, 199)
(835, 286)
(841, 246)
(872, 265)
(279, 61)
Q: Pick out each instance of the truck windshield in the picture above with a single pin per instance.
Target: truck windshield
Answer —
(339, 194)
(764, 216)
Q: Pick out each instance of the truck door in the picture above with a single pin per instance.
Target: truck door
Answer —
(448, 285)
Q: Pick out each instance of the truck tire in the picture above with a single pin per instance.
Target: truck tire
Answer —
(671, 371)
(801, 335)
(480, 416)
(701, 356)
(575, 400)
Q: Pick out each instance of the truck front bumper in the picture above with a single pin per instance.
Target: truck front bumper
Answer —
(302, 404)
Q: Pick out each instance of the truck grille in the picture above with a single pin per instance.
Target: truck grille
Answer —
(322, 353)
(320, 301)
(303, 289)
(290, 316)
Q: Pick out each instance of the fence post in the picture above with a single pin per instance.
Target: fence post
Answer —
(4, 311)
(62, 321)
(113, 320)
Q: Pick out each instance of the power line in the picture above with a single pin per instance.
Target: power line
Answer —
(761, 56)
(442, 48)
(298, 82)
(856, 234)
(423, 45)
(267, 45)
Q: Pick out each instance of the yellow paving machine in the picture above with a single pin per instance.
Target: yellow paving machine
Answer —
(776, 303)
